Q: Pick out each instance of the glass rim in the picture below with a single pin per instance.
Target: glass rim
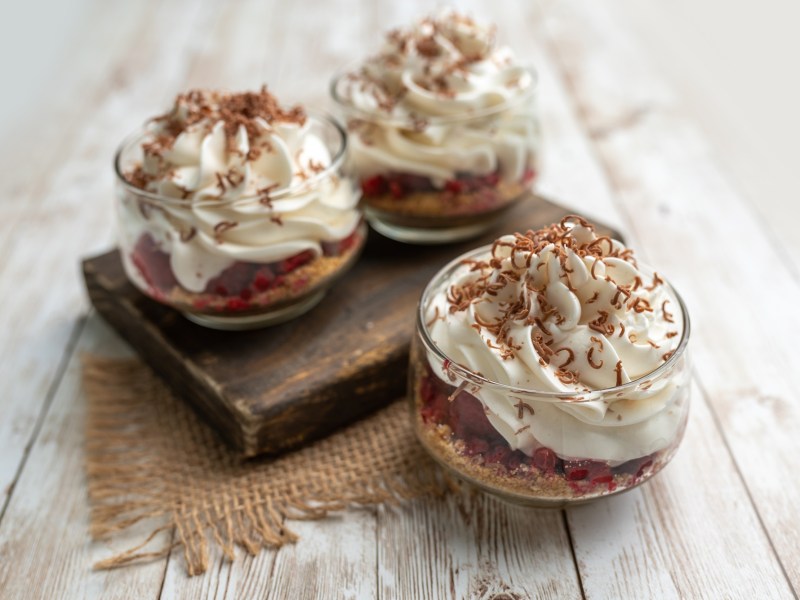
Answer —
(541, 395)
(313, 115)
(407, 122)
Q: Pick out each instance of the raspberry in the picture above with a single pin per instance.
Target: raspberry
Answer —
(153, 264)
(232, 281)
(594, 470)
(576, 470)
(340, 247)
(396, 189)
(603, 479)
(435, 407)
(293, 262)
(544, 459)
(468, 419)
(263, 279)
(236, 304)
(374, 186)
(455, 186)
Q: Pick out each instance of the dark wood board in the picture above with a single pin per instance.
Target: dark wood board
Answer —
(272, 389)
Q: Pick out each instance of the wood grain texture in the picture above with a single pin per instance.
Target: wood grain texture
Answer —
(45, 551)
(667, 183)
(626, 155)
(65, 210)
(275, 388)
(474, 546)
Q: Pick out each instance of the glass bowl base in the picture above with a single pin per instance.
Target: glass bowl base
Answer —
(264, 319)
(428, 236)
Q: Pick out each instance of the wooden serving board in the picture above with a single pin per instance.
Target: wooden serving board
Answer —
(272, 389)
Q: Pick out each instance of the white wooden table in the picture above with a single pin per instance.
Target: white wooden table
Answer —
(720, 522)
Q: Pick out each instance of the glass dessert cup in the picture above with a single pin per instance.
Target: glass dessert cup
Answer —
(573, 458)
(404, 201)
(246, 293)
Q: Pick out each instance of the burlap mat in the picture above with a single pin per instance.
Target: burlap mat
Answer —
(149, 458)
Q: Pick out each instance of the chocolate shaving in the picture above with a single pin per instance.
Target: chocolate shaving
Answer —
(528, 304)
(600, 324)
(428, 47)
(594, 264)
(640, 305)
(570, 356)
(138, 178)
(521, 429)
(235, 110)
(656, 282)
(667, 316)
(618, 371)
(220, 182)
(315, 166)
(591, 362)
(265, 192)
(522, 407)
(435, 318)
(221, 228)
(567, 377)
(187, 235)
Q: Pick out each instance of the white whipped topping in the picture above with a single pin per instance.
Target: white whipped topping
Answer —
(261, 195)
(439, 75)
(579, 300)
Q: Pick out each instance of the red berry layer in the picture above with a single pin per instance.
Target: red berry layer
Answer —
(402, 185)
(238, 287)
(473, 435)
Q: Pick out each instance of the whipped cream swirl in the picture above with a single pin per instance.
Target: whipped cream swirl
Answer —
(565, 310)
(242, 180)
(441, 98)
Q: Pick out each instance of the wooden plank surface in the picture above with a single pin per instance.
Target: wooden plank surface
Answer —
(719, 522)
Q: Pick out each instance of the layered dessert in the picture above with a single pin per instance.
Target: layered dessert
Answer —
(550, 367)
(232, 207)
(443, 126)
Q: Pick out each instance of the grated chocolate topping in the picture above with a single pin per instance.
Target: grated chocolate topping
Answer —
(206, 108)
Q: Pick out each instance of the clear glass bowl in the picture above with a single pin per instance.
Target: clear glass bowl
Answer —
(448, 403)
(392, 158)
(246, 293)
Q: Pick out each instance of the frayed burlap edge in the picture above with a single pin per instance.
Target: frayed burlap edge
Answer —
(149, 459)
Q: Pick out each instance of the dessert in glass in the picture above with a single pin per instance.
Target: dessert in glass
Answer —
(234, 210)
(443, 130)
(551, 368)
